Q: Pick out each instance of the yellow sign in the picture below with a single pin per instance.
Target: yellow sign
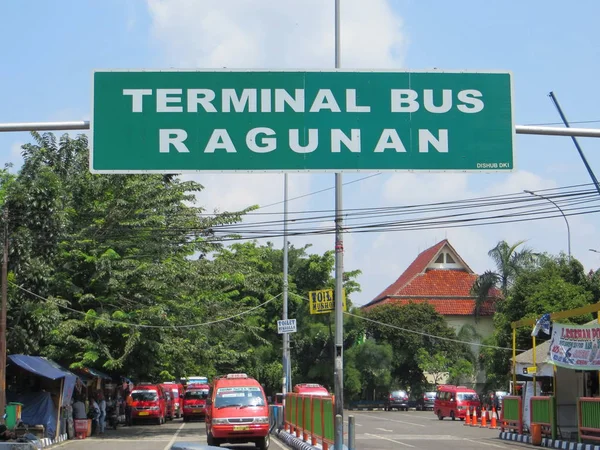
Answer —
(532, 369)
(322, 302)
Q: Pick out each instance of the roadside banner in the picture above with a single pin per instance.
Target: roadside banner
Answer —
(575, 346)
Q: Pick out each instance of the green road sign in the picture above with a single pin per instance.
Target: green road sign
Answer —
(255, 121)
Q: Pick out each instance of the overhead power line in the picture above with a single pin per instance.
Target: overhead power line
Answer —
(421, 333)
(137, 325)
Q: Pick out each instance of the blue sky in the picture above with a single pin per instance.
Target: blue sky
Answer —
(49, 50)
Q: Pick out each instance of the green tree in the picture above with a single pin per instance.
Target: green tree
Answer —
(408, 329)
(436, 365)
(558, 284)
(373, 362)
(509, 262)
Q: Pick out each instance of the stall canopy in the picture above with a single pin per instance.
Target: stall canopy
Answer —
(525, 360)
(94, 373)
(48, 369)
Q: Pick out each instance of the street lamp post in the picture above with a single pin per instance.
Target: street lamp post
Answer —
(564, 217)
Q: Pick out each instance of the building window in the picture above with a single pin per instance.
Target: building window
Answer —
(449, 259)
(440, 259)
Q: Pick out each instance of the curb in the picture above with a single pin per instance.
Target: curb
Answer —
(47, 442)
(547, 442)
(293, 441)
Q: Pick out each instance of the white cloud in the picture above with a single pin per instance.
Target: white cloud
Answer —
(276, 34)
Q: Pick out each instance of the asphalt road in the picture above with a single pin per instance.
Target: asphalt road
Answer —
(152, 437)
(375, 430)
(387, 430)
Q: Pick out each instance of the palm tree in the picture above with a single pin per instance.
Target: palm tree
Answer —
(509, 263)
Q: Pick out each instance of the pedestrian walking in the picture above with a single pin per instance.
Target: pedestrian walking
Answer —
(102, 418)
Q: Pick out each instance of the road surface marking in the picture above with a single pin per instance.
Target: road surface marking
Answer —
(174, 438)
(400, 421)
(485, 443)
(383, 429)
(391, 440)
(356, 424)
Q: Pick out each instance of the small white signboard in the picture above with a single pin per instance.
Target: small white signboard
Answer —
(286, 326)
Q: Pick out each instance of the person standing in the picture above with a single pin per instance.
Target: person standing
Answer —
(94, 414)
(102, 417)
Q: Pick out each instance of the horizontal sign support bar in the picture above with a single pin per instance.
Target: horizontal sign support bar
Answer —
(558, 131)
(85, 125)
(45, 126)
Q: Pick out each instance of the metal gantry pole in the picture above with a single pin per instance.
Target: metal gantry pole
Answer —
(4, 303)
(581, 155)
(85, 125)
(286, 336)
(339, 280)
(563, 214)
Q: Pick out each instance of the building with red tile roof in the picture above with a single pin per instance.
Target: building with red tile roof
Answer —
(440, 277)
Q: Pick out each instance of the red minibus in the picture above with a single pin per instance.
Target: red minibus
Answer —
(453, 401)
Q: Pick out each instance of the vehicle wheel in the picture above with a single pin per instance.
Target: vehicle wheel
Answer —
(452, 415)
(210, 440)
(439, 414)
(263, 444)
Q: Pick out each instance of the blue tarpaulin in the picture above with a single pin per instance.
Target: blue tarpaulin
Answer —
(47, 369)
(38, 409)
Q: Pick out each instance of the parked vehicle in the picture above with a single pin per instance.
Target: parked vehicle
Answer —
(397, 400)
(453, 401)
(148, 403)
(176, 391)
(237, 412)
(426, 402)
(310, 389)
(194, 402)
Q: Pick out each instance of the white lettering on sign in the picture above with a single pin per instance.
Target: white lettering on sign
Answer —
(163, 99)
(202, 97)
(440, 143)
(352, 143)
(230, 97)
(258, 144)
(468, 101)
(137, 98)
(174, 138)
(264, 140)
(389, 139)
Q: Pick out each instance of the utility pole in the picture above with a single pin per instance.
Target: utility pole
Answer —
(338, 373)
(286, 336)
(3, 317)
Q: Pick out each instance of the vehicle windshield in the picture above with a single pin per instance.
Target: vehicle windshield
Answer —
(175, 393)
(144, 396)
(195, 395)
(398, 394)
(467, 396)
(239, 396)
(430, 394)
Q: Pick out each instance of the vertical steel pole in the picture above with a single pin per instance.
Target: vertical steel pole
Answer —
(339, 281)
(3, 318)
(351, 433)
(286, 336)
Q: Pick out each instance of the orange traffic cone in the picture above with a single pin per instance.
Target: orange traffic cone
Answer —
(494, 424)
(468, 418)
(483, 419)
(474, 418)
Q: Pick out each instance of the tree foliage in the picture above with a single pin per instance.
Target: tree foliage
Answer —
(126, 273)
